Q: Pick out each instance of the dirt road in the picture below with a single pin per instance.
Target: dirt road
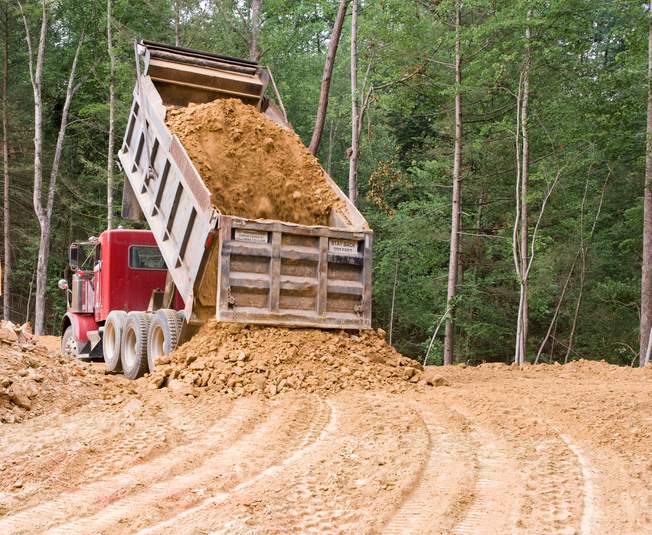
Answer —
(544, 450)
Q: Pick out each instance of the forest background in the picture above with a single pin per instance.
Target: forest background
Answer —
(564, 80)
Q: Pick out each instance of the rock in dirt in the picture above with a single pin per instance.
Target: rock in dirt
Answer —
(8, 334)
(19, 395)
(430, 377)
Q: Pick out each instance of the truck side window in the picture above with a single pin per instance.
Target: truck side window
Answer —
(145, 257)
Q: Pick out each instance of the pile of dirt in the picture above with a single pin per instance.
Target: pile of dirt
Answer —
(34, 381)
(242, 360)
(254, 168)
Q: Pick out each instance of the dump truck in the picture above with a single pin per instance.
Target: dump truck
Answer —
(207, 264)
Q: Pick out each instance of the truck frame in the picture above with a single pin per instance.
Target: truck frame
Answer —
(219, 266)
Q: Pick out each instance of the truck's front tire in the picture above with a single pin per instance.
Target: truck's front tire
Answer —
(69, 344)
(112, 339)
(133, 354)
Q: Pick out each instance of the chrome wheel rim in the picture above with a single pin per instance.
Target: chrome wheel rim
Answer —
(70, 348)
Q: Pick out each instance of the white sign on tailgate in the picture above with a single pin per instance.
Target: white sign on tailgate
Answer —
(342, 246)
(251, 236)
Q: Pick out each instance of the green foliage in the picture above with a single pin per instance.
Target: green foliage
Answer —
(587, 124)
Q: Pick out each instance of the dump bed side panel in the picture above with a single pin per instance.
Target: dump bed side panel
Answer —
(168, 190)
(283, 274)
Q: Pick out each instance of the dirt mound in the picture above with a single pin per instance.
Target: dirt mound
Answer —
(243, 360)
(253, 167)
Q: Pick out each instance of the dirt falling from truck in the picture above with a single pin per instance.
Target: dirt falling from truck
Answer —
(253, 167)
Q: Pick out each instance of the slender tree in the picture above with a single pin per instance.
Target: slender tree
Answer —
(109, 158)
(522, 225)
(355, 131)
(254, 46)
(6, 269)
(322, 107)
(449, 339)
(44, 211)
(177, 28)
(646, 280)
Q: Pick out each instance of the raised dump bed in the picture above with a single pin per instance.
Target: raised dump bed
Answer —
(239, 264)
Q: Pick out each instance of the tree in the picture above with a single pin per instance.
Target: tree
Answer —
(44, 211)
(6, 268)
(254, 50)
(521, 225)
(449, 340)
(322, 107)
(355, 120)
(109, 158)
(646, 267)
(177, 25)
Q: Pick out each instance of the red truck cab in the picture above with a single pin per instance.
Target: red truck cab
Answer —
(120, 272)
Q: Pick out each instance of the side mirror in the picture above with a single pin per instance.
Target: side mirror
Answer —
(73, 256)
(62, 284)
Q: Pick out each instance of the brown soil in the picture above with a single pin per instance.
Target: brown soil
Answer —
(254, 168)
(543, 449)
(51, 343)
(243, 360)
(34, 381)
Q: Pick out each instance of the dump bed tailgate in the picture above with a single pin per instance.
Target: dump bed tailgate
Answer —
(283, 274)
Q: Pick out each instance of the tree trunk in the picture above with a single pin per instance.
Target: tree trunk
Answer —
(41, 277)
(456, 208)
(322, 108)
(394, 286)
(254, 51)
(525, 179)
(355, 131)
(331, 141)
(109, 159)
(6, 271)
(36, 76)
(177, 30)
(646, 268)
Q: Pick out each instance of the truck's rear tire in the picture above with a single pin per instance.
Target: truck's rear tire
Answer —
(164, 334)
(112, 339)
(133, 353)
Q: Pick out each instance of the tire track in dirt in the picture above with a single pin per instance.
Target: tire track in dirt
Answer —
(554, 497)
(496, 486)
(322, 427)
(222, 469)
(442, 482)
(548, 484)
(59, 446)
(340, 485)
(97, 494)
(588, 514)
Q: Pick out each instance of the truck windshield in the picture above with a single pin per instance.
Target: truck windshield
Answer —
(86, 256)
(145, 257)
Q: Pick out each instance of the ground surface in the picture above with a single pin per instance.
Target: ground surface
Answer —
(547, 449)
